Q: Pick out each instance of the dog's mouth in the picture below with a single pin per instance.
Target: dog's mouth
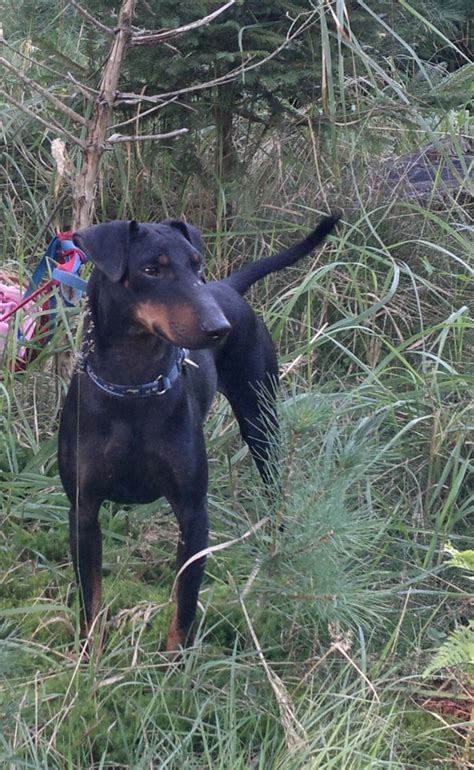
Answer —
(193, 341)
(181, 326)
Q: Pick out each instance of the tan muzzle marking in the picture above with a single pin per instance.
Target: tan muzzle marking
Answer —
(179, 318)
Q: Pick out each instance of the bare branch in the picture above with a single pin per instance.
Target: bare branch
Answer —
(51, 126)
(140, 115)
(115, 138)
(127, 97)
(151, 38)
(92, 19)
(87, 91)
(45, 93)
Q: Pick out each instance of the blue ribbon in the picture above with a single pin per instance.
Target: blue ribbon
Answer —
(63, 277)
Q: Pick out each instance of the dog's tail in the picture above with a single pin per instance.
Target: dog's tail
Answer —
(243, 279)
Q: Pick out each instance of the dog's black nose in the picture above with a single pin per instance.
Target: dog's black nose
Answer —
(216, 330)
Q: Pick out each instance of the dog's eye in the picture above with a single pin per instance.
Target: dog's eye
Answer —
(152, 270)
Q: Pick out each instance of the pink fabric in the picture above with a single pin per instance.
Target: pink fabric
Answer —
(10, 296)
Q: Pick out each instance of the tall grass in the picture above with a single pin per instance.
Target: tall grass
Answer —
(312, 643)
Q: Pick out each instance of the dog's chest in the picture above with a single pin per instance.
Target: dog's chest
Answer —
(141, 462)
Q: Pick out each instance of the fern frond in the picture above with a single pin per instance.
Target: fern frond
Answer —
(456, 652)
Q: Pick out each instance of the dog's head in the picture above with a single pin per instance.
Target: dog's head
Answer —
(159, 268)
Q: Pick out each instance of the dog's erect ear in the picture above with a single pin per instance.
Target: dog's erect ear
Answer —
(107, 246)
(191, 233)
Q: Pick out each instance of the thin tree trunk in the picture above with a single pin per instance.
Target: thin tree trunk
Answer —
(96, 135)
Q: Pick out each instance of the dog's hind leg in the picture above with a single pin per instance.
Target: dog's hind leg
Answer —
(248, 377)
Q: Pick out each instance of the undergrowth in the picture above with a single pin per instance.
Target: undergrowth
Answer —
(312, 643)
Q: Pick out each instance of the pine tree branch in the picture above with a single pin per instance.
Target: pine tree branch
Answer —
(239, 72)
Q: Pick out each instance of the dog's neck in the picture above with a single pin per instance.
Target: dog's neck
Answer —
(120, 350)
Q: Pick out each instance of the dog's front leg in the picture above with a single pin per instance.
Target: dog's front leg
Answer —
(85, 540)
(193, 527)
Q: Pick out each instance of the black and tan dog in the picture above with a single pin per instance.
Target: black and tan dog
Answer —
(158, 342)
